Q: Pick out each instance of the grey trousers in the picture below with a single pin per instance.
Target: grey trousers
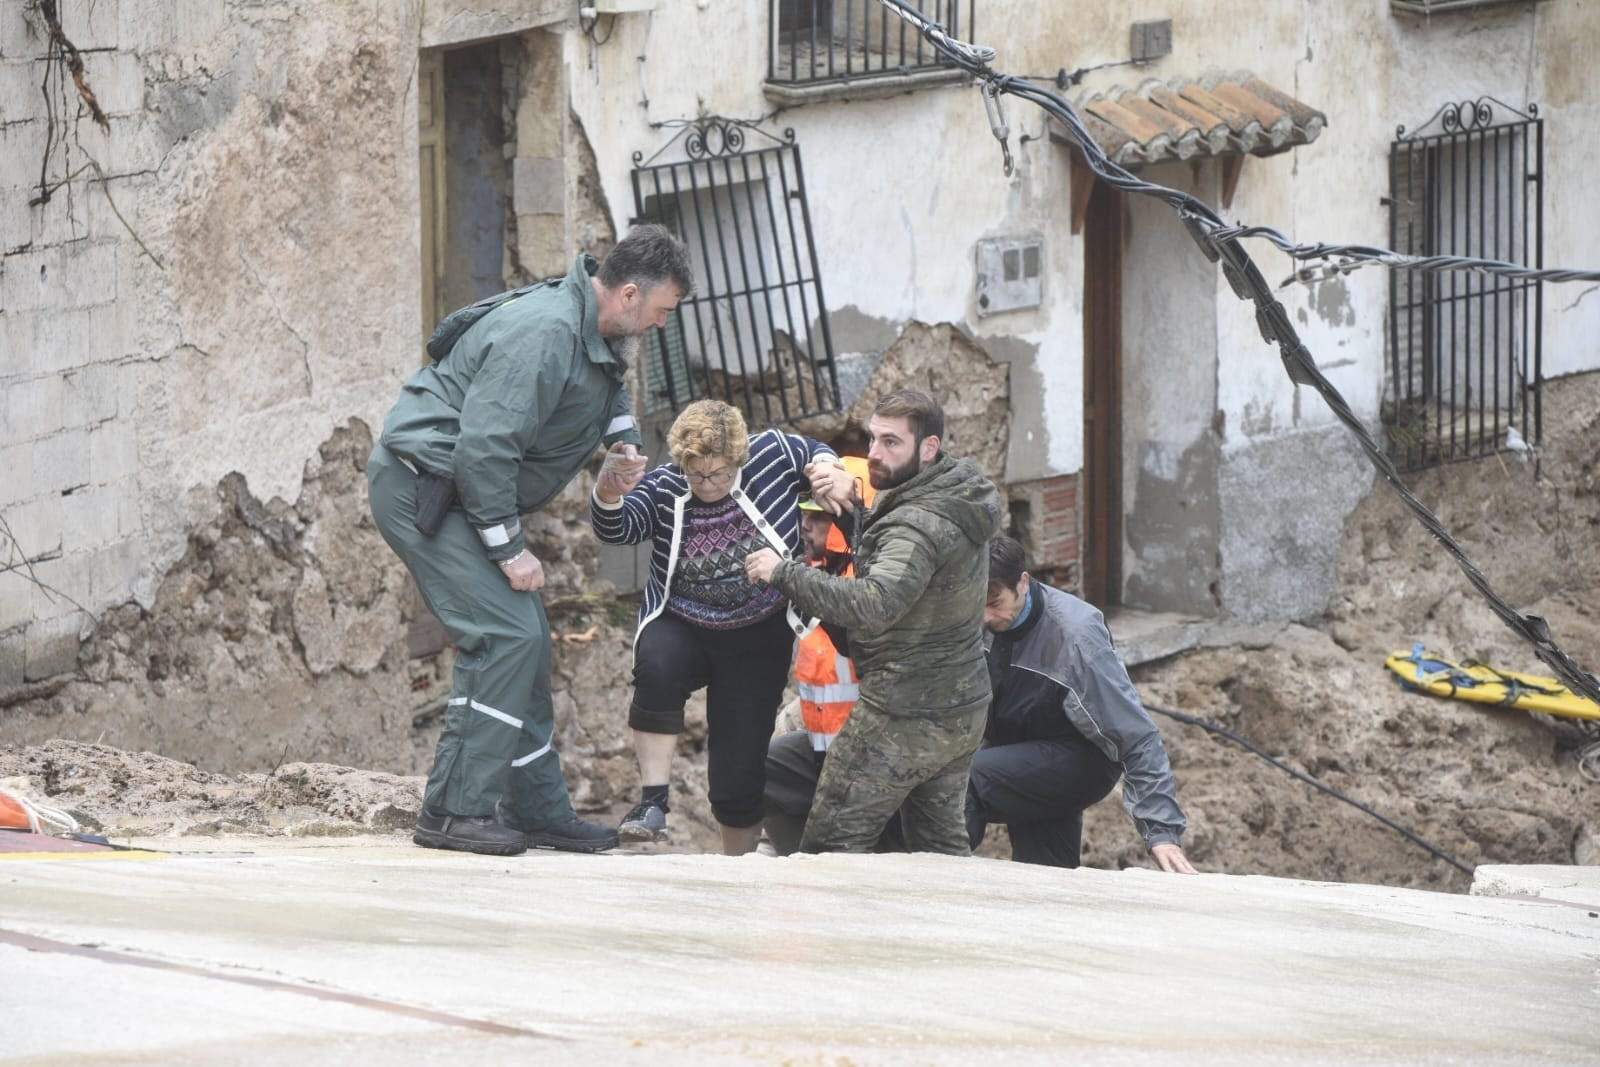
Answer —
(496, 753)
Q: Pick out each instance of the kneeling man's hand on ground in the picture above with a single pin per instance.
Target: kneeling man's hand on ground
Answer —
(1170, 858)
(758, 566)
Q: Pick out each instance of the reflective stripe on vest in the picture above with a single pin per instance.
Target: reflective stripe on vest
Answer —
(827, 684)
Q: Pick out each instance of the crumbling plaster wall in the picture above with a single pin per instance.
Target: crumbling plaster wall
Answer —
(1371, 71)
(902, 187)
(217, 281)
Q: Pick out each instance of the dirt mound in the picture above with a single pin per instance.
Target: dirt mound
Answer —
(1488, 785)
(259, 651)
(128, 794)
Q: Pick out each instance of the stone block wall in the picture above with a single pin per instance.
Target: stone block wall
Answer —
(72, 527)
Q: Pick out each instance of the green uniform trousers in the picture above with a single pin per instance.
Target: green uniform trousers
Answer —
(497, 746)
(880, 764)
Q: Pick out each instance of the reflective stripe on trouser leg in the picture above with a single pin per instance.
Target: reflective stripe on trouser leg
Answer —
(535, 793)
(500, 707)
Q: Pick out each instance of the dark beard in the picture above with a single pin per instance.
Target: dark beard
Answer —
(894, 476)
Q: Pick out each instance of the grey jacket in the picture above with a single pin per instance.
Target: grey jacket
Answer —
(1071, 646)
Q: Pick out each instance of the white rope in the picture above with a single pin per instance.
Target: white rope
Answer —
(40, 816)
(1589, 761)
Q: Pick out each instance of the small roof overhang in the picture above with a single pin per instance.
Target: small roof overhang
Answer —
(1216, 116)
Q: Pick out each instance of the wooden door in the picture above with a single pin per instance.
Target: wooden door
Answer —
(431, 183)
(1102, 398)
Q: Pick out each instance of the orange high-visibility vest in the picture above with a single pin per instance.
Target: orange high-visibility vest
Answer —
(827, 683)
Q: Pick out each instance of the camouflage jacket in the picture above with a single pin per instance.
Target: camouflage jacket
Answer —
(914, 610)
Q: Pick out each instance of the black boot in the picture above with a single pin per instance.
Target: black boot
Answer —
(464, 833)
(576, 835)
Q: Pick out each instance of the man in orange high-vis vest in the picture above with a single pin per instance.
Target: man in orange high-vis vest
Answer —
(824, 677)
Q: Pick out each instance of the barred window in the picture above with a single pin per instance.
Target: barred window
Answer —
(755, 332)
(819, 41)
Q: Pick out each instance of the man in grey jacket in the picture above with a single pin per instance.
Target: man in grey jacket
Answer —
(1065, 723)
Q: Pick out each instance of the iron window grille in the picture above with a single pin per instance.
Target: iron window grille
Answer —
(815, 41)
(755, 331)
(1445, 7)
(1466, 351)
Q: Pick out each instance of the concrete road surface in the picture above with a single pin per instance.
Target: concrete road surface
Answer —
(306, 952)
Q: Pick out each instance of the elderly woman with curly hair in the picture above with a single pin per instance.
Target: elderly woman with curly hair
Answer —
(701, 623)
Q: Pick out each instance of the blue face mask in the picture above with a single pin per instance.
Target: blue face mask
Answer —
(1027, 605)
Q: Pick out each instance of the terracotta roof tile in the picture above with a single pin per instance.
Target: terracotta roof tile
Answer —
(1218, 115)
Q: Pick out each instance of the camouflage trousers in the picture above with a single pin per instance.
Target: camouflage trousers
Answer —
(880, 764)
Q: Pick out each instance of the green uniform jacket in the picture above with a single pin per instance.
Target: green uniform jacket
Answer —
(521, 403)
(914, 610)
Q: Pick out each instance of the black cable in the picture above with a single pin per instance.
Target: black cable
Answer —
(1222, 731)
(1221, 244)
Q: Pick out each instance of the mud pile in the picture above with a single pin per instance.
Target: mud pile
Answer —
(261, 654)
(1485, 784)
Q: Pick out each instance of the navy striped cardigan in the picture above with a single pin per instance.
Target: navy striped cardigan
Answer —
(767, 488)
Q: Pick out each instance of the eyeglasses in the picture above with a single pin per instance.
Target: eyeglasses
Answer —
(721, 476)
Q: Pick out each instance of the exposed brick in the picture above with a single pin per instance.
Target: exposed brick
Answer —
(175, 24)
(60, 583)
(136, 142)
(61, 461)
(33, 409)
(46, 341)
(21, 149)
(65, 217)
(12, 660)
(113, 452)
(16, 594)
(117, 79)
(16, 475)
(113, 570)
(20, 79)
(89, 517)
(92, 24)
(36, 524)
(130, 517)
(95, 393)
(76, 275)
(20, 36)
(51, 648)
(16, 220)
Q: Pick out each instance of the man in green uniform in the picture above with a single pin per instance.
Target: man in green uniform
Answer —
(494, 430)
(914, 618)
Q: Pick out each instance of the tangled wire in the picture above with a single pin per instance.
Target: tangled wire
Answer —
(1221, 244)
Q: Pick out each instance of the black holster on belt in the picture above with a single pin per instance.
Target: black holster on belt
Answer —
(435, 494)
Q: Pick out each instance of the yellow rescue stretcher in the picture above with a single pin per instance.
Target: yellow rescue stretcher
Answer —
(1428, 672)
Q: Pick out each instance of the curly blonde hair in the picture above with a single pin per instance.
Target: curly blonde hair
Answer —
(709, 429)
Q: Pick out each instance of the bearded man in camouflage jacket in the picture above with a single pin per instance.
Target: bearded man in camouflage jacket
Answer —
(914, 619)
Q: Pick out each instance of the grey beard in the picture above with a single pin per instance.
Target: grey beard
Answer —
(627, 347)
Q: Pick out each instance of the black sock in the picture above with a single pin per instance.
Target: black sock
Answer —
(655, 794)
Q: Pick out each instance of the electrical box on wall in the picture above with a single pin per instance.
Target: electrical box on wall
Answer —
(1151, 40)
(1010, 274)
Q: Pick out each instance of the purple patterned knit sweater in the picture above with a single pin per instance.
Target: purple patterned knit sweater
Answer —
(708, 585)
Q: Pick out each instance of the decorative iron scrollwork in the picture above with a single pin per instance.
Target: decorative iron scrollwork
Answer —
(710, 137)
(1467, 116)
